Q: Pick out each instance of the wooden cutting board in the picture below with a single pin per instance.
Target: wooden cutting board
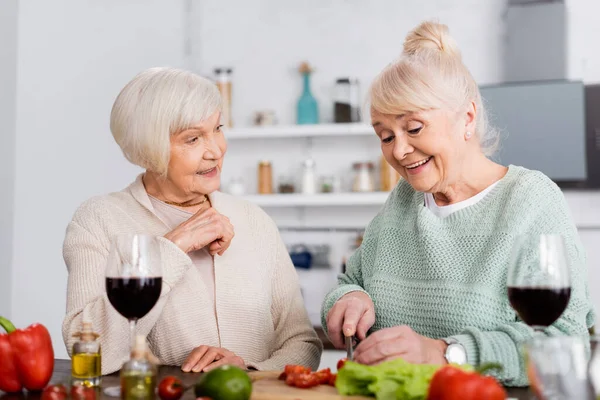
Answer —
(266, 386)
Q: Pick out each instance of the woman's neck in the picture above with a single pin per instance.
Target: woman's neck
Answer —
(476, 175)
(162, 189)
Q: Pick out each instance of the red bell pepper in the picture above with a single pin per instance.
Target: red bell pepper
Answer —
(452, 383)
(27, 357)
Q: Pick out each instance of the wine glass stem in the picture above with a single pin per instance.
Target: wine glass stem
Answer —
(131, 334)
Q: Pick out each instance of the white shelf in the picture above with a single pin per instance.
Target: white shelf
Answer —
(321, 199)
(295, 131)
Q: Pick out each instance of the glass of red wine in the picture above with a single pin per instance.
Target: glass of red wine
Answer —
(133, 279)
(539, 283)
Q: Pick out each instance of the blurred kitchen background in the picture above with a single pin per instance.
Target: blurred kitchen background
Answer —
(308, 158)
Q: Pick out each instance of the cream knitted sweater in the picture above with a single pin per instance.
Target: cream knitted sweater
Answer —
(260, 314)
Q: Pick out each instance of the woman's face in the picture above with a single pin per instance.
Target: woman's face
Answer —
(427, 148)
(197, 157)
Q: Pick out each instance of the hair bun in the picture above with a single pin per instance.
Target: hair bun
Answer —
(431, 36)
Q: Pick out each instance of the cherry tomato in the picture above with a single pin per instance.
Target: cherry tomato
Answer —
(332, 379)
(302, 381)
(54, 392)
(80, 392)
(323, 376)
(170, 388)
(340, 364)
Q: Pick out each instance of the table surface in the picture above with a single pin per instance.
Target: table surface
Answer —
(62, 374)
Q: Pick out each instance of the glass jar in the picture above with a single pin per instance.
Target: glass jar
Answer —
(223, 78)
(363, 177)
(265, 177)
(346, 101)
(309, 182)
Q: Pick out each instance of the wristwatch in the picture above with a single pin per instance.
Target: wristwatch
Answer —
(455, 352)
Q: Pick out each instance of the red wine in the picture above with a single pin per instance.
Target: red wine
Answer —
(133, 297)
(539, 306)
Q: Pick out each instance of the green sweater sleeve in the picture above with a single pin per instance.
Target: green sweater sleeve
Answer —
(506, 343)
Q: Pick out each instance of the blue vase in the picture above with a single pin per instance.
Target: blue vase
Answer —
(308, 110)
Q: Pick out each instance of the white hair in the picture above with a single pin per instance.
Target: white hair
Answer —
(431, 75)
(155, 104)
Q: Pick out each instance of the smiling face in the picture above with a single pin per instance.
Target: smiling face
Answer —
(197, 157)
(427, 148)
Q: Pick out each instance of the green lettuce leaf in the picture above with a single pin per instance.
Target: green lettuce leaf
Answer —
(391, 380)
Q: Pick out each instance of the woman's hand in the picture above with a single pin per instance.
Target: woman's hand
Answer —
(205, 358)
(400, 342)
(353, 314)
(205, 228)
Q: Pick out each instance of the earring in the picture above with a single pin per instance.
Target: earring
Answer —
(468, 135)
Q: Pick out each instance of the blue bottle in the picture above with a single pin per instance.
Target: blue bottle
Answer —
(307, 108)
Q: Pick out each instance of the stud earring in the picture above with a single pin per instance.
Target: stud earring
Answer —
(468, 135)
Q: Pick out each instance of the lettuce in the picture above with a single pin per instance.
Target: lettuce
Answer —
(391, 380)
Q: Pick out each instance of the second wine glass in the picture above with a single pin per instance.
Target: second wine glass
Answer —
(539, 282)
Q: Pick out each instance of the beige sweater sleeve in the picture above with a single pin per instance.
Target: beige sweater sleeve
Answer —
(296, 341)
(85, 252)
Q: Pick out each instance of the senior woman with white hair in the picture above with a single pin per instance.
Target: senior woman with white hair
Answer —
(429, 282)
(230, 291)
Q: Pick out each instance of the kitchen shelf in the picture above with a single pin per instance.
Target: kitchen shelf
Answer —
(317, 200)
(295, 131)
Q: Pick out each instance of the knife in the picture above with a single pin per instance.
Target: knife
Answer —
(349, 348)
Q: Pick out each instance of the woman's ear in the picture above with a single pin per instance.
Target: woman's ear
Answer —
(471, 117)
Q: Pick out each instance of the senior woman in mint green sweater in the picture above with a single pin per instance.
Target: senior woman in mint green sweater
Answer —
(429, 280)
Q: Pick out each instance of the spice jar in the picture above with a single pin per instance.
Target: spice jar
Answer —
(346, 102)
(388, 175)
(265, 177)
(363, 177)
(224, 84)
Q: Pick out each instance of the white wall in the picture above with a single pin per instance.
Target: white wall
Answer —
(582, 39)
(74, 57)
(8, 78)
(265, 41)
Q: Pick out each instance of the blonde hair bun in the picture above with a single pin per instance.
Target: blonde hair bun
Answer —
(430, 36)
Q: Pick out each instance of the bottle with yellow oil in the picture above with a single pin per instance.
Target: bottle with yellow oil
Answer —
(138, 375)
(86, 361)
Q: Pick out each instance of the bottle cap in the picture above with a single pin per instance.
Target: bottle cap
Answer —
(87, 333)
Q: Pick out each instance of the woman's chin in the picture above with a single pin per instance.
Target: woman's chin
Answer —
(208, 185)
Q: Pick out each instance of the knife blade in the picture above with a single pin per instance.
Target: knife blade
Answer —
(349, 347)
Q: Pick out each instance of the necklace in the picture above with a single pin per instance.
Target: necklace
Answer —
(186, 205)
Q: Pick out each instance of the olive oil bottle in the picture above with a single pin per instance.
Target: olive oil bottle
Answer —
(86, 361)
(138, 375)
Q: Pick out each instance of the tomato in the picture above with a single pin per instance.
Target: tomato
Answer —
(80, 392)
(323, 376)
(332, 379)
(170, 388)
(302, 381)
(296, 369)
(340, 364)
(54, 392)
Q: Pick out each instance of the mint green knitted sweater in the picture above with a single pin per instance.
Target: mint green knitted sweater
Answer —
(446, 277)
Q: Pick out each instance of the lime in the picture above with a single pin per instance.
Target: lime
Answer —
(224, 383)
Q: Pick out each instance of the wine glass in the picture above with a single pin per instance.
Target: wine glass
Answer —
(133, 279)
(539, 283)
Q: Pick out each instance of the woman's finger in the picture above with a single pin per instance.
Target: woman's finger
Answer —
(230, 360)
(208, 358)
(193, 358)
(365, 323)
(335, 319)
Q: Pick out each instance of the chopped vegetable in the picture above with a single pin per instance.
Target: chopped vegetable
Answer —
(391, 380)
(451, 383)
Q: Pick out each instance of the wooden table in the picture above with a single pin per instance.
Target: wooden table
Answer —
(62, 374)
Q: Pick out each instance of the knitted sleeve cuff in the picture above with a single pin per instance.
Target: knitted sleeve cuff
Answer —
(470, 346)
(334, 296)
(179, 263)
